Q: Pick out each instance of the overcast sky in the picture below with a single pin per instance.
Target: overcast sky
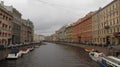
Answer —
(50, 15)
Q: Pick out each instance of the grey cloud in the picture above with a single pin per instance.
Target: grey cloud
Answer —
(49, 15)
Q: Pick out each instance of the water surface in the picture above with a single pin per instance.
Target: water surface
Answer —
(53, 55)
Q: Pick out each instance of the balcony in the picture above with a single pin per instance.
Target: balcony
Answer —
(116, 34)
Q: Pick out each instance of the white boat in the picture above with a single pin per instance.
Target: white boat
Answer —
(14, 54)
(110, 61)
(31, 48)
(24, 50)
(36, 46)
(96, 56)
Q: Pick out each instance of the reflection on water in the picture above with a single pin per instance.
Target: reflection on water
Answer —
(52, 55)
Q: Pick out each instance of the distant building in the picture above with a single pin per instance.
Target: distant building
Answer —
(23, 31)
(30, 30)
(5, 26)
(76, 32)
(106, 24)
(57, 35)
(69, 33)
(38, 38)
(61, 34)
(54, 37)
(48, 38)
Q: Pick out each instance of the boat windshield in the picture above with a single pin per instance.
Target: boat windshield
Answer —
(14, 51)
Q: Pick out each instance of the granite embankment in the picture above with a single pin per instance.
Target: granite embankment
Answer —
(105, 50)
(3, 54)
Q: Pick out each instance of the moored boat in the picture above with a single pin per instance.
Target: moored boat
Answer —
(31, 48)
(24, 50)
(88, 49)
(36, 46)
(109, 61)
(14, 54)
(96, 56)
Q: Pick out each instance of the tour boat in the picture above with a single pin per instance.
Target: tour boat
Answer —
(88, 49)
(109, 61)
(14, 54)
(31, 48)
(36, 46)
(95, 55)
(24, 50)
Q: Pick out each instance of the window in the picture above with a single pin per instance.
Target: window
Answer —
(117, 20)
(3, 25)
(110, 30)
(0, 33)
(117, 29)
(114, 29)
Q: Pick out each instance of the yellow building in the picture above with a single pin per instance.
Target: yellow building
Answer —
(38, 38)
(68, 33)
(57, 35)
(106, 24)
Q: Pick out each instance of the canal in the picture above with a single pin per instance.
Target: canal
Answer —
(52, 55)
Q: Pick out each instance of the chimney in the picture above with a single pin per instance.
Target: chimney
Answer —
(2, 3)
(100, 8)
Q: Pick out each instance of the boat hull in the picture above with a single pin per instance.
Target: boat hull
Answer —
(88, 49)
(14, 55)
(102, 64)
(25, 51)
(95, 56)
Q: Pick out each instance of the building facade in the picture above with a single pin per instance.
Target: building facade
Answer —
(61, 34)
(53, 37)
(82, 29)
(68, 33)
(38, 38)
(106, 24)
(16, 29)
(23, 31)
(75, 27)
(29, 30)
(57, 36)
(5, 26)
